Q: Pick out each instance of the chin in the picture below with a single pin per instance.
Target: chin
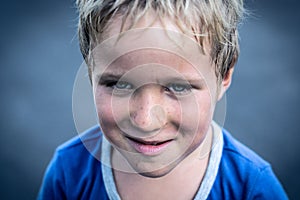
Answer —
(151, 171)
(157, 173)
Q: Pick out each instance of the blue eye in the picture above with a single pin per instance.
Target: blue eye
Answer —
(178, 88)
(122, 85)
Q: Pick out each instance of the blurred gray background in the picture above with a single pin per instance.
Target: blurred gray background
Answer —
(40, 57)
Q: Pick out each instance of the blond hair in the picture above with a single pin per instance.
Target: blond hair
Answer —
(216, 19)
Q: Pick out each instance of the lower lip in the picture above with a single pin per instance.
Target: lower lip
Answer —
(147, 149)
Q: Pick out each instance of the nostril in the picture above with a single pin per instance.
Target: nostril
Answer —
(150, 119)
(141, 118)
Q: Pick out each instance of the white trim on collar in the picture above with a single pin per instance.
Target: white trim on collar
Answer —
(206, 184)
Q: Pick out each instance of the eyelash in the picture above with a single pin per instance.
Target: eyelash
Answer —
(123, 86)
(118, 85)
(179, 88)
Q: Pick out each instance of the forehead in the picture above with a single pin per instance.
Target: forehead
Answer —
(151, 56)
(150, 41)
(152, 65)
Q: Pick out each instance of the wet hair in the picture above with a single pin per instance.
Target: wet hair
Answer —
(216, 20)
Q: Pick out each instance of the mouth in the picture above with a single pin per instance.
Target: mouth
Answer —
(149, 148)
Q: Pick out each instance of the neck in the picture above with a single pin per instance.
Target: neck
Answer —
(182, 182)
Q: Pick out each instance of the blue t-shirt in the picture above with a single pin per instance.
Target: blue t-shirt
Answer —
(75, 172)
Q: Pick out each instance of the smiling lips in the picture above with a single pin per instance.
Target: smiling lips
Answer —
(149, 148)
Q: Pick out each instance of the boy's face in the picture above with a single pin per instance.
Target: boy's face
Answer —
(154, 97)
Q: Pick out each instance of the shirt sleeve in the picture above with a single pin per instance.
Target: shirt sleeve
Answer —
(267, 186)
(53, 186)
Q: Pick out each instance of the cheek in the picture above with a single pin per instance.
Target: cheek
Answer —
(107, 117)
(104, 109)
(205, 104)
(196, 118)
(110, 110)
(197, 111)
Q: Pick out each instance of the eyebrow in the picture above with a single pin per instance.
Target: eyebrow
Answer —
(197, 82)
(182, 79)
(187, 77)
(111, 76)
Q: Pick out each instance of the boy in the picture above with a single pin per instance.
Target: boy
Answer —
(157, 69)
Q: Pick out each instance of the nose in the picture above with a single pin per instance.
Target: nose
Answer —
(147, 111)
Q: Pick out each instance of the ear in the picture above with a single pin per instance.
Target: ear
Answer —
(225, 83)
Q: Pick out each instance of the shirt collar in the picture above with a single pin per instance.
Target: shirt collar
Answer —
(207, 181)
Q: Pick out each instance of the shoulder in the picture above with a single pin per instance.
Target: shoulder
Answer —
(234, 152)
(75, 169)
(245, 175)
(81, 150)
(79, 153)
(90, 136)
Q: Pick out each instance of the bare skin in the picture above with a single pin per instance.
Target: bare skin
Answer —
(181, 183)
(182, 122)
